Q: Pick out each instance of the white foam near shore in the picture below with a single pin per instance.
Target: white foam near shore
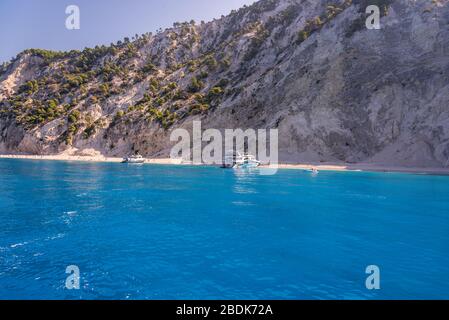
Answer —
(300, 166)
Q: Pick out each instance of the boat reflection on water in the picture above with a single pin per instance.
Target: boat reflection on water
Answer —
(245, 180)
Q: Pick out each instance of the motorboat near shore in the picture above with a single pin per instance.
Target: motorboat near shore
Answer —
(237, 160)
(134, 159)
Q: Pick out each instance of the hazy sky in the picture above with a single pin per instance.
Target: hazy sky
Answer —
(41, 23)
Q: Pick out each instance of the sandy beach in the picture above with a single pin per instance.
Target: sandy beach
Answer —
(366, 167)
(293, 166)
(96, 158)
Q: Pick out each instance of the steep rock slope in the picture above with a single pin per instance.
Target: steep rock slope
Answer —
(335, 90)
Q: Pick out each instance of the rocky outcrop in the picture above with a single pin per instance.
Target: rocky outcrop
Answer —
(335, 90)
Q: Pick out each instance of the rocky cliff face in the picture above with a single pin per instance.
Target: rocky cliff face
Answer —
(335, 90)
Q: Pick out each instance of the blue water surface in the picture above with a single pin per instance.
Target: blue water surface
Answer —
(179, 232)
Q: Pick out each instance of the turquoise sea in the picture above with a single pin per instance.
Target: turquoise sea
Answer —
(175, 232)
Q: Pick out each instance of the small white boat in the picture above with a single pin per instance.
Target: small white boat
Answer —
(247, 161)
(237, 160)
(134, 159)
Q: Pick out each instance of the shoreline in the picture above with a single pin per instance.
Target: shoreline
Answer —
(366, 167)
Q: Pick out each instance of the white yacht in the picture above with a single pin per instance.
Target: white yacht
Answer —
(237, 160)
(134, 159)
